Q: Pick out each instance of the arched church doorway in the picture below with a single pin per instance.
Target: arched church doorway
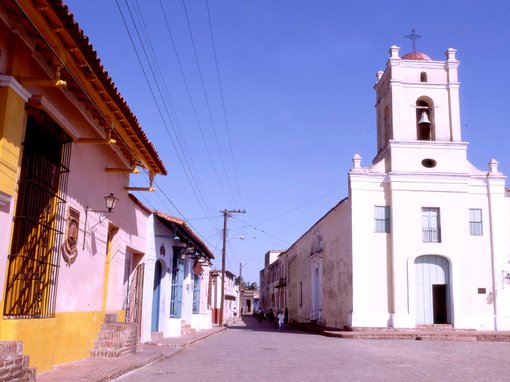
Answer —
(433, 290)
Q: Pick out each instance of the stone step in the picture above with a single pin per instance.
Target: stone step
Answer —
(156, 336)
(112, 335)
(13, 364)
(110, 317)
(118, 326)
(188, 331)
(424, 335)
(115, 340)
(434, 327)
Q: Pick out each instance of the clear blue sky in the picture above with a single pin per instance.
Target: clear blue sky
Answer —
(297, 83)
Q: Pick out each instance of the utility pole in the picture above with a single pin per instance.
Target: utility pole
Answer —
(226, 215)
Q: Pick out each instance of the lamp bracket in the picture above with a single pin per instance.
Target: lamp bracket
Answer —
(102, 217)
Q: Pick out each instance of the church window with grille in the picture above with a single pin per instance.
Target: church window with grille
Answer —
(431, 228)
(475, 222)
(381, 219)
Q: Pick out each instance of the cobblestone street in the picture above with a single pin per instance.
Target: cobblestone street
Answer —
(249, 351)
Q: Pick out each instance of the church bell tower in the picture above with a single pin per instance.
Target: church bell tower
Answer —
(417, 103)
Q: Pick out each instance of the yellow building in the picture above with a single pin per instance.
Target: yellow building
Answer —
(67, 139)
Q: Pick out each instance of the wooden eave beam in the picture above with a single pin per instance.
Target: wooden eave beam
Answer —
(46, 22)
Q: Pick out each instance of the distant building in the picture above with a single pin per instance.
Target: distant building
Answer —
(249, 302)
(231, 292)
(422, 237)
(267, 279)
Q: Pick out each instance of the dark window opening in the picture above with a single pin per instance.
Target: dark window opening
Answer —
(423, 76)
(429, 163)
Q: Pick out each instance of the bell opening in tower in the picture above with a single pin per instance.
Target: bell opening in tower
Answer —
(424, 126)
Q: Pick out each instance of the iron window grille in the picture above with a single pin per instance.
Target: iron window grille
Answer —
(196, 294)
(431, 229)
(33, 262)
(176, 288)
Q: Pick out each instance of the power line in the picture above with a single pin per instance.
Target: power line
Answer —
(179, 212)
(189, 161)
(190, 98)
(205, 93)
(300, 206)
(189, 174)
(223, 105)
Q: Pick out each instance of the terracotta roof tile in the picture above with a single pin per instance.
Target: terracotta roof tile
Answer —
(82, 41)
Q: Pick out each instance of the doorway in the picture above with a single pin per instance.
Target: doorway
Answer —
(156, 291)
(433, 289)
(439, 303)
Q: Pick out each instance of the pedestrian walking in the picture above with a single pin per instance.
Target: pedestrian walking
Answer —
(281, 319)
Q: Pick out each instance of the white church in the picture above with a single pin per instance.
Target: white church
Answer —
(423, 236)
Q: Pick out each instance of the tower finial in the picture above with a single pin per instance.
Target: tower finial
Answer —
(413, 37)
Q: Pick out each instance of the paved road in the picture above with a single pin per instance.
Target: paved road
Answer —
(254, 352)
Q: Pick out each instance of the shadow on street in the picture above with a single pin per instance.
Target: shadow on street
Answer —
(251, 323)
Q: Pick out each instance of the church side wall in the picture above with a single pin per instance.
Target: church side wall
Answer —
(337, 287)
(371, 253)
(319, 271)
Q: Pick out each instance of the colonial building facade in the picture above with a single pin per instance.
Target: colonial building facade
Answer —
(423, 236)
(270, 278)
(231, 297)
(176, 279)
(67, 140)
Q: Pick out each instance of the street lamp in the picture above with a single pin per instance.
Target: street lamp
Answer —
(110, 201)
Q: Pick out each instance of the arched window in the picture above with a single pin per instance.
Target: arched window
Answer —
(423, 76)
(424, 122)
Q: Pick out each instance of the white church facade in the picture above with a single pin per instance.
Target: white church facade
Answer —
(423, 236)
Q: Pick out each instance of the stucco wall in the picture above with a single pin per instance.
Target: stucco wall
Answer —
(326, 247)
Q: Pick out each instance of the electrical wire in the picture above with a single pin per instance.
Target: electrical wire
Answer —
(205, 95)
(155, 67)
(192, 181)
(229, 140)
(192, 102)
(176, 127)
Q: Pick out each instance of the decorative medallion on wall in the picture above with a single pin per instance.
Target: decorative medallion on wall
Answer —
(162, 250)
(70, 245)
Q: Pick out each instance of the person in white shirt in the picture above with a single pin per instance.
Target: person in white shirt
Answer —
(281, 319)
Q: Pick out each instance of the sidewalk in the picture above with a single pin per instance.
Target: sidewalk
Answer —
(102, 370)
(426, 333)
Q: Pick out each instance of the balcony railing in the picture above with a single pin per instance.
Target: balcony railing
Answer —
(431, 234)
